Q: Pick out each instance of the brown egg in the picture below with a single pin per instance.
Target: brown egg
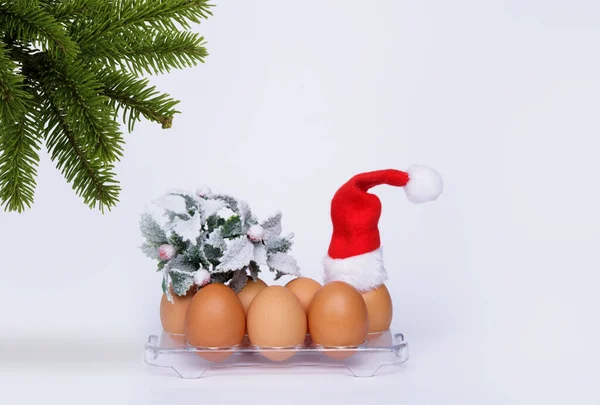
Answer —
(249, 291)
(379, 306)
(338, 317)
(304, 288)
(215, 318)
(276, 318)
(172, 314)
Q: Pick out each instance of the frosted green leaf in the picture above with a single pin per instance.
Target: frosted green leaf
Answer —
(172, 203)
(213, 254)
(191, 202)
(210, 208)
(283, 263)
(216, 239)
(181, 281)
(272, 226)
(151, 230)
(279, 244)
(239, 280)
(221, 278)
(188, 229)
(254, 270)
(245, 214)
(214, 222)
(182, 265)
(232, 227)
(238, 255)
(150, 250)
(230, 202)
(178, 243)
(196, 255)
(182, 275)
(165, 287)
(260, 254)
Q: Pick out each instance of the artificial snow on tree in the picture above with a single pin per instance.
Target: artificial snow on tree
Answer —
(68, 68)
(201, 238)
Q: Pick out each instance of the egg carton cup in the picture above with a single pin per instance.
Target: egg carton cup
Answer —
(381, 350)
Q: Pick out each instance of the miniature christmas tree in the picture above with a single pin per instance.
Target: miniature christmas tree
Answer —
(202, 237)
(67, 68)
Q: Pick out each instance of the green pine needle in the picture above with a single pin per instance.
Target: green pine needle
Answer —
(167, 14)
(68, 68)
(148, 51)
(91, 178)
(75, 89)
(146, 102)
(18, 162)
(13, 97)
(26, 21)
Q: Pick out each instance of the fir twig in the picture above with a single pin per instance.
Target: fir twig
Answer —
(78, 93)
(19, 159)
(13, 96)
(141, 14)
(148, 51)
(91, 179)
(67, 68)
(136, 97)
(26, 21)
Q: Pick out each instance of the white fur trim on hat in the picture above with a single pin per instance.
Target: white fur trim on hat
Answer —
(424, 184)
(364, 272)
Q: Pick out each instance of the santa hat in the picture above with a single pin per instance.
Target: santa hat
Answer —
(354, 254)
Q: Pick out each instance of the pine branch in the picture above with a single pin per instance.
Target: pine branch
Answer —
(67, 68)
(19, 159)
(148, 51)
(77, 92)
(13, 97)
(167, 14)
(91, 178)
(27, 21)
(136, 98)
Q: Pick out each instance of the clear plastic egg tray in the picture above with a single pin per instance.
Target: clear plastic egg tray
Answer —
(380, 351)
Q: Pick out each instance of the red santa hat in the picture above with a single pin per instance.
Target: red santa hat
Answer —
(354, 254)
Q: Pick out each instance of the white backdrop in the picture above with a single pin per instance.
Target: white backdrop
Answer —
(494, 285)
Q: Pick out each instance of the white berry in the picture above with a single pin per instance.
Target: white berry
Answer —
(201, 277)
(203, 192)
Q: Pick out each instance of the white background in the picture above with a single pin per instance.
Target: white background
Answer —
(495, 285)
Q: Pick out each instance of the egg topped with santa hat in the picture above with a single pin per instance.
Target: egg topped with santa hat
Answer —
(355, 254)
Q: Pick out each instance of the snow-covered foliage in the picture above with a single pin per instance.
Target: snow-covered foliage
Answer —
(204, 237)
